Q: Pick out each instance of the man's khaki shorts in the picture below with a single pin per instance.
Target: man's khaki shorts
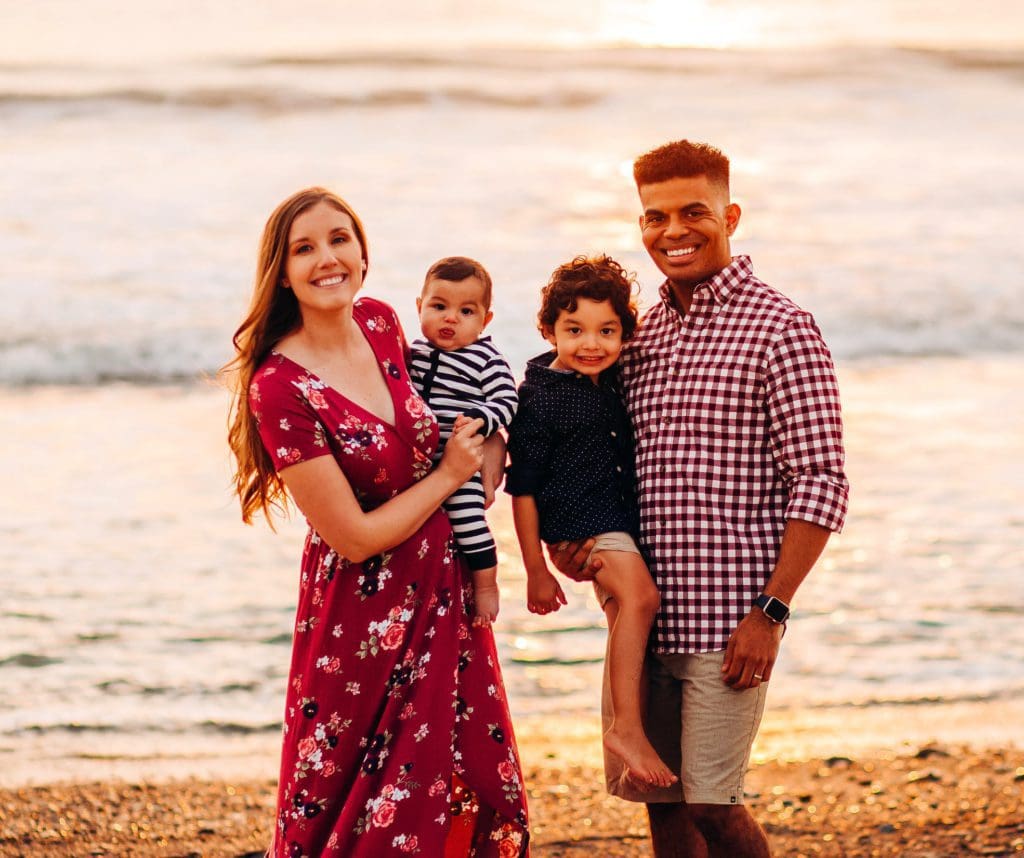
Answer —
(701, 727)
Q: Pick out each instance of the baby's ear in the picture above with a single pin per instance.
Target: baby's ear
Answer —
(419, 304)
(487, 318)
(548, 334)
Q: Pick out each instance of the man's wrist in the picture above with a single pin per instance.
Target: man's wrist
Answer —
(773, 608)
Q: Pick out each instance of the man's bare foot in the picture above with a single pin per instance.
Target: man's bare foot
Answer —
(640, 758)
(486, 611)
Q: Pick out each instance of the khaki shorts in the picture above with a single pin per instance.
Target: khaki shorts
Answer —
(614, 540)
(701, 727)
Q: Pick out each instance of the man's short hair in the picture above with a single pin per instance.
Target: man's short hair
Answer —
(458, 268)
(682, 160)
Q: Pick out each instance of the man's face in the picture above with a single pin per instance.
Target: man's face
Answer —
(686, 226)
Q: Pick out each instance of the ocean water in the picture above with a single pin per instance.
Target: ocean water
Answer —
(875, 154)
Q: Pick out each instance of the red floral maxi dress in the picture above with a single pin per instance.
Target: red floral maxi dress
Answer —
(397, 737)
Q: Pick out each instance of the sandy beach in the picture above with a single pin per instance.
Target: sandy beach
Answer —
(918, 798)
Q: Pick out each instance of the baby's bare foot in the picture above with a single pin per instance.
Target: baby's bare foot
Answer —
(486, 608)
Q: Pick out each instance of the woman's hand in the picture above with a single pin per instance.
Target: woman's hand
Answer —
(463, 454)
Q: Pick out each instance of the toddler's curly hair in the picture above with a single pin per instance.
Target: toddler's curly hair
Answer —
(599, 278)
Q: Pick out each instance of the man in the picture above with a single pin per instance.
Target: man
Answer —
(735, 410)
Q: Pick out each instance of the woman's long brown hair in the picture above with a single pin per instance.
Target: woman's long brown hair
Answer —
(273, 313)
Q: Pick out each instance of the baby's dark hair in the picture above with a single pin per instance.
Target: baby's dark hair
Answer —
(457, 269)
(599, 278)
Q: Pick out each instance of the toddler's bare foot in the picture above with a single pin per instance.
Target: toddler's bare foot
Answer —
(642, 761)
(486, 611)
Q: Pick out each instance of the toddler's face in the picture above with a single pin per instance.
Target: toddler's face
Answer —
(588, 339)
(452, 312)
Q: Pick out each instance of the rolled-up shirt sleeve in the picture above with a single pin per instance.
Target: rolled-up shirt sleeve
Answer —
(530, 445)
(805, 425)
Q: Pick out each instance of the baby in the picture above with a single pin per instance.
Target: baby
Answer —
(462, 376)
(571, 478)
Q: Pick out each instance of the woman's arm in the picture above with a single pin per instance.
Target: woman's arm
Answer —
(492, 474)
(321, 491)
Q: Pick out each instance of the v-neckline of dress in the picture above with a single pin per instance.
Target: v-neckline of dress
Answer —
(384, 375)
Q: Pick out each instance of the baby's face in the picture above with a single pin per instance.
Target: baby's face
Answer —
(452, 312)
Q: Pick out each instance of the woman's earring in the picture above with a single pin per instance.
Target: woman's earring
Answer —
(285, 284)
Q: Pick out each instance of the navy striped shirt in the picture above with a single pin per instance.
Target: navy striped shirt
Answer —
(475, 380)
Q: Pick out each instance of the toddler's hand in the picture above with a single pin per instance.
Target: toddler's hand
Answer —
(460, 421)
(544, 594)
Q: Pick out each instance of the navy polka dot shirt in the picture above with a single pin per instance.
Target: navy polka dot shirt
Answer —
(571, 448)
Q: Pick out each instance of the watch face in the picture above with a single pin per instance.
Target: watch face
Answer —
(773, 608)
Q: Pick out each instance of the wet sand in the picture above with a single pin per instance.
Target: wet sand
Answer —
(929, 800)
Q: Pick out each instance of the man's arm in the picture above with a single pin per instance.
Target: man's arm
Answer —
(754, 645)
(806, 438)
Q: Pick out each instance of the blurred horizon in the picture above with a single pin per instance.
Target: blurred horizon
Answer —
(154, 31)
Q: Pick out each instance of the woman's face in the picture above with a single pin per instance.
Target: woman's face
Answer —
(323, 260)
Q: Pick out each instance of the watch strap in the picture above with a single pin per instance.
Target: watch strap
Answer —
(773, 608)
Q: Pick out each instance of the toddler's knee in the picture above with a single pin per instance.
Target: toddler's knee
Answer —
(648, 600)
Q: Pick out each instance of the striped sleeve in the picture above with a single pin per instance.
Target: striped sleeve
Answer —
(499, 388)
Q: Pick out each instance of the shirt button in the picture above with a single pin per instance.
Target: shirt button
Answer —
(619, 469)
(614, 435)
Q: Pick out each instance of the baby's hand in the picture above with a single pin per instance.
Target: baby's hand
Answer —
(544, 594)
(461, 421)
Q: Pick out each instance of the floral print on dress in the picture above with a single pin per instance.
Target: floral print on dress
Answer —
(313, 391)
(360, 438)
(423, 419)
(394, 701)
(378, 324)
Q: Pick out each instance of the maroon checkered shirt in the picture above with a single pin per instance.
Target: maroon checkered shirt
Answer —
(735, 409)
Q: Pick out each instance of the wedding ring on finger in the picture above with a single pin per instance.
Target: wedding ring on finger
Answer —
(758, 677)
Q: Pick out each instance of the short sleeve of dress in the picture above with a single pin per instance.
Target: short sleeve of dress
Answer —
(285, 411)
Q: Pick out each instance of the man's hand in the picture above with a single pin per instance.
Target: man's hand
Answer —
(570, 558)
(751, 652)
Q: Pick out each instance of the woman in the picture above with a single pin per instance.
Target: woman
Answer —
(397, 737)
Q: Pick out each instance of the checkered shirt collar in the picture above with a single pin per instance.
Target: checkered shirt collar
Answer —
(723, 285)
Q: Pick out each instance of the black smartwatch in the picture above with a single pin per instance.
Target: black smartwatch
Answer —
(774, 609)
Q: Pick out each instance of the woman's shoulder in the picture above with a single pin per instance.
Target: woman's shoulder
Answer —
(375, 312)
(274, 368)
(274, 377)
